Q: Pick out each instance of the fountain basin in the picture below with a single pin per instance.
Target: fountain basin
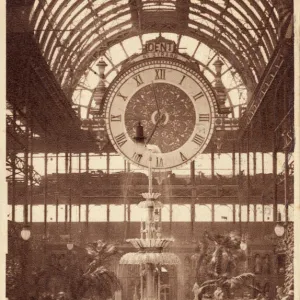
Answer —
(138, 258)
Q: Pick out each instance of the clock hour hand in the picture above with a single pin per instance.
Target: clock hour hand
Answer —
(155, 97)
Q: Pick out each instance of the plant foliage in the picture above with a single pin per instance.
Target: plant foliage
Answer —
(218, 257)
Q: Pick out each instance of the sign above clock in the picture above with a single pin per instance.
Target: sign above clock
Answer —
(160, 44)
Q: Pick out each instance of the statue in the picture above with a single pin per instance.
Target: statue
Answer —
(135, 294)
(218, 294)
(266, 265)
(257, 264)
(196, 290)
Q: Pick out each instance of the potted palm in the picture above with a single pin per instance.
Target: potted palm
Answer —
(217, 266)
(95, 280)
(84, 274)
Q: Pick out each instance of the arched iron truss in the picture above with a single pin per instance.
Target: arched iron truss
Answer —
(73, 34)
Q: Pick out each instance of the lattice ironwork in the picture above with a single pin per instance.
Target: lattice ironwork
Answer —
(18, 164)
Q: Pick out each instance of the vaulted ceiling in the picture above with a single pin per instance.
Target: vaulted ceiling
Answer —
(72, 34)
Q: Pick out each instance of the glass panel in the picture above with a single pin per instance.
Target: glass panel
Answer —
(170, 36)
(202, 166)
(117, 30)
(259, 213)
(97, 162)
(165, 213)
(237, 213)
(204, 54)
(188, 44)
(116, 213)
(135, 213)
(61, 212)
(244, 212)
(268, 213)
(264, 54)
(281, 210)
(149, 36)
(223, 213)
(203, 213)
(291, 212)
(98, 213)
(117, 54)
(38, 213)
(116, 164)
(51, 213)
(75, 213)
(251, 212)
(111, 76)
(223, 167)
(181, 213)
(83, 213)
(132, 45)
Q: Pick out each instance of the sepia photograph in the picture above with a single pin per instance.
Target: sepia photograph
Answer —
(150, 150)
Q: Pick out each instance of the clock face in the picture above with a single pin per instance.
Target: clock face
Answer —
(174, 104)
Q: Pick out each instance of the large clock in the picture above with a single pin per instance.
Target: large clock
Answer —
(174, 104)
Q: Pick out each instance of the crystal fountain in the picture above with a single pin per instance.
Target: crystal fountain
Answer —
(151, 245)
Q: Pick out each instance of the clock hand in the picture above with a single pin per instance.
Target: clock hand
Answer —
(154, 128)
(155, 97)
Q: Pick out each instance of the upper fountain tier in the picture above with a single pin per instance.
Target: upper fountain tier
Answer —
(150, 245)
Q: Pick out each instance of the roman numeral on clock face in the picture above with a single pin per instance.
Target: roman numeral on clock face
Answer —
(183, 158)
(121, 139)
(138, 79)
(203, 117)
(198, 96)
(159, 162)
(115, 118)
(137, 157)
(198, 139)
(182, 79)
(160, 74)
(122, 96)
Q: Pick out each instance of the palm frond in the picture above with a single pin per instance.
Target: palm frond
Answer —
(254, 288)
(91, 250)
(239, 280)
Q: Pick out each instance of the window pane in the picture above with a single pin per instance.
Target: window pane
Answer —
(291, 212)
(61, 212)
(83, 213)
(165, 213)
(51, 211)
(251, 213)
(97, 213)
(268, 213)
(223, 213)
(116, 213)
(259, 213)
(244, 212)
(75, 213)
(38, 213)
(135, 213)
(281, 210)
(237, 213)
(181, 213)
(203, 213)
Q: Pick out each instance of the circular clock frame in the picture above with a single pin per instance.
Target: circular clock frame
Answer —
(189, 87)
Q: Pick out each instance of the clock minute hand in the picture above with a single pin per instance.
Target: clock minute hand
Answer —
(154, 128)
(155, 97)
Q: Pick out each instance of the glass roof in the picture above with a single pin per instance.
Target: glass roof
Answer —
(73, 35)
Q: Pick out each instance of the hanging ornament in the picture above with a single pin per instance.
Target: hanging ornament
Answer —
(220, 88)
